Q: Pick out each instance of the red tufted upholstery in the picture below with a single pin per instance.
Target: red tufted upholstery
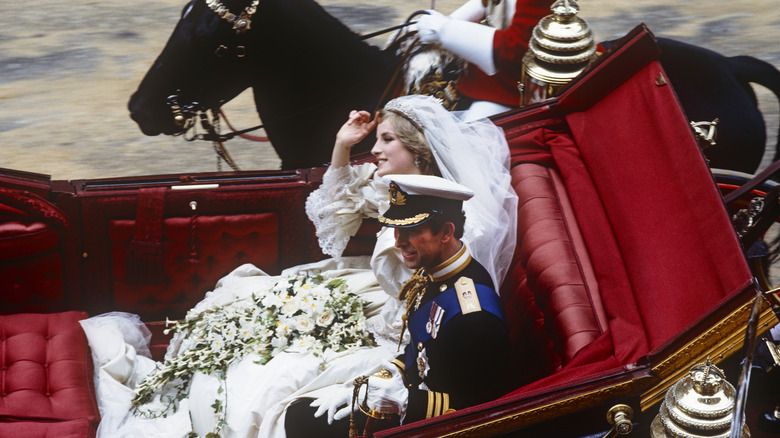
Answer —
(221, 243)
(46, 376)
(551, 292)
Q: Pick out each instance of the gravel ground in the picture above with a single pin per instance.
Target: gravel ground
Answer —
(67, 70)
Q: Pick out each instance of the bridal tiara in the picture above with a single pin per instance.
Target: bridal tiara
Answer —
(404, 109)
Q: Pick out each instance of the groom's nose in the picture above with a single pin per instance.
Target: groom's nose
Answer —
(401, 237)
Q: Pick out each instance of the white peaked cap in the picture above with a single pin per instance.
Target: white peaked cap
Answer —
(429, 185)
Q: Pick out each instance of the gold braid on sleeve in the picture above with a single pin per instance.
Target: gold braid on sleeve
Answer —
(412, 291)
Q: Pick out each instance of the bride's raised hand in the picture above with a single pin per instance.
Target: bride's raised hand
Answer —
(356, 128)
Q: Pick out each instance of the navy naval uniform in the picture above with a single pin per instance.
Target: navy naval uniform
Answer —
(458, 355)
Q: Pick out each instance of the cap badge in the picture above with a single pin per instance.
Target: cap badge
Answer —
(397, 196)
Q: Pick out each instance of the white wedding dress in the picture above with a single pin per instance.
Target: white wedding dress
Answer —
(257, 395)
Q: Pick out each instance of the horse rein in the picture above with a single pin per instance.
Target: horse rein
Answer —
(185, 116)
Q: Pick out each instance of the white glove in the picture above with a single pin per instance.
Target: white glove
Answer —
(388, 395)
(471, 41)
(429, 26)
(337, 402)
(472, 10)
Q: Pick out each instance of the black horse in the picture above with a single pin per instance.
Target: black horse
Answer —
(307, 70)
(305, 67)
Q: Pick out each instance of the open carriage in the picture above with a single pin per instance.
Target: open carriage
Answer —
(628, 269)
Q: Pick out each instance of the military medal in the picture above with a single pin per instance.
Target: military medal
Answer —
(422, 361)
(434, 320)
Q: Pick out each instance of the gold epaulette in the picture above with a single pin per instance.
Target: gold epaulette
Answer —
(467, 295)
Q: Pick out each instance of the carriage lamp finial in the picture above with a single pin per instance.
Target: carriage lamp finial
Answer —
(700, 404)
(241, 22)
(561, 47)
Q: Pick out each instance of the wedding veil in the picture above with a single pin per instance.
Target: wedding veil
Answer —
(476, 155)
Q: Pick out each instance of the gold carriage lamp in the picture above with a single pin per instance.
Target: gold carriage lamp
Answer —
(700, 404)
(560, 48)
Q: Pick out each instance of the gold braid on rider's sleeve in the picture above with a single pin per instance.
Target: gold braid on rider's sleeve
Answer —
(412, 291)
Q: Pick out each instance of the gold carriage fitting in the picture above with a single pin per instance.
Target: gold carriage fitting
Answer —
(560, 48)
(700, 404)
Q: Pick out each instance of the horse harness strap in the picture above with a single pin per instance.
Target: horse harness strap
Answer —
(241, 22)
(753, 183)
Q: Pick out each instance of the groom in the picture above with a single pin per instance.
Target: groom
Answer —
(458, 355)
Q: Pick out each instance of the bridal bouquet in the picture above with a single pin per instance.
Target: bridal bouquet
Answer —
(304, 314)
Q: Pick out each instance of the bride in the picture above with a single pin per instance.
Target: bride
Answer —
(242, 386)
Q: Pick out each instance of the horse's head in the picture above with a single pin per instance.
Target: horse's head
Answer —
(203, 66)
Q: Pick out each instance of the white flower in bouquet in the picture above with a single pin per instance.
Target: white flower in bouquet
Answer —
(291, 305)
(217, 342)
(326, 318)
(247, 330)
(283, 328)
(231, 332)
(271, 300)
(311, 306)
(304, 344)
(303, 323)
(279, 343)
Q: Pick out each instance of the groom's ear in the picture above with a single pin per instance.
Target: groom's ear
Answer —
(447, 232)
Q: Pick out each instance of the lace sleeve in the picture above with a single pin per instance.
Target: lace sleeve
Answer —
(337, 208)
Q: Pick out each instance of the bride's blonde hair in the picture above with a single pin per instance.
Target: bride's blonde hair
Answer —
(413, 138)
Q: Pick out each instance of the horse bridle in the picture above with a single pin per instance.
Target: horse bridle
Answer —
(185, 115)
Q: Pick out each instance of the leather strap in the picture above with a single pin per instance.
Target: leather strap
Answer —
(145, 252)
(753, 183)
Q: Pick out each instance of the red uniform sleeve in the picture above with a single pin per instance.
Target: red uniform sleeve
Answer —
(510, 44)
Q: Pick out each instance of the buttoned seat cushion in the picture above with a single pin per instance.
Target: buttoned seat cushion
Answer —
(46, 375)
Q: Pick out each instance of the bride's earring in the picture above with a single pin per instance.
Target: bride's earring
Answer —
(416, 161)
